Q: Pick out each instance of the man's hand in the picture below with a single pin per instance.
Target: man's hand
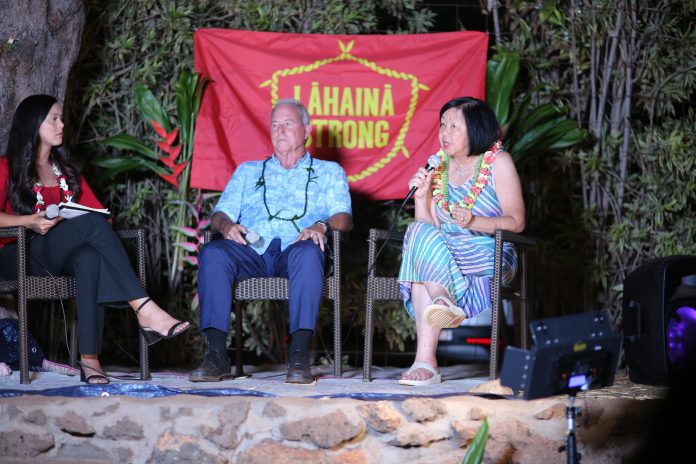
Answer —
(315, 233)
(235, 232)
(39, 224)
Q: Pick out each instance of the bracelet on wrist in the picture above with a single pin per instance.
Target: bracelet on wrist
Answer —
(325, 225)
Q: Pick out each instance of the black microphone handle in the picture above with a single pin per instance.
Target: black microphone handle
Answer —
(428, 167)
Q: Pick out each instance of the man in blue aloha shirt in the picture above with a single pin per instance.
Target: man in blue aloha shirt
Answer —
(274, 215)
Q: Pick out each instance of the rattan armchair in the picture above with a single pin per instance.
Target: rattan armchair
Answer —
(276, 288)
(28, 287)
(387, 288)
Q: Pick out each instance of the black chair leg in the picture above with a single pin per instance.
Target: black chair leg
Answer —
(238, 355)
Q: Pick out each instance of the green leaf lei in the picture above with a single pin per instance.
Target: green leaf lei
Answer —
(262, 183)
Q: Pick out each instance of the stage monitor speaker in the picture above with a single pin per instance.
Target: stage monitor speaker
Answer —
(659, 319)
(570, 354)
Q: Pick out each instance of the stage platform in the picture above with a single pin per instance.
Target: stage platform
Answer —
(260, 419)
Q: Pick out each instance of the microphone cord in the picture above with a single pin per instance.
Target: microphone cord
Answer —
(389, 232)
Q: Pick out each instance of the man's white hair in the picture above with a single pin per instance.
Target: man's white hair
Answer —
(304, 114)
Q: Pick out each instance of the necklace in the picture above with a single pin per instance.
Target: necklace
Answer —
(440, 184)
(458, 169)
(66, 193)
(262, 183)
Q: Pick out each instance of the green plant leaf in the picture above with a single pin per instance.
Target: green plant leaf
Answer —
(119, 164)
(150, 107)
(571, 136)
(474, 453)
(539, 115)
(501, 75)
(128, 142)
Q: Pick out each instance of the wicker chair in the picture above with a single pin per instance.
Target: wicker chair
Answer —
(387, 288)
(276, 288)
(29, 287)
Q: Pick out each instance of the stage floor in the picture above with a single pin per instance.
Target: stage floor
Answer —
(267, 380)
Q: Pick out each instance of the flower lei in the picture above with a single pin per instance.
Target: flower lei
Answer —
(262, 183)
(66, 193)
(440, 184)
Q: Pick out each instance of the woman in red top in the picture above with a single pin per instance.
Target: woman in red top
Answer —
(37, 172)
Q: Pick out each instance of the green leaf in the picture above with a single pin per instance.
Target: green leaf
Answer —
(572, 135)
(118, 165)
(474, 452)
(150, 107)
(128, 142)
(501, 75)
(539, 115)
(183, 103)
(535, 140)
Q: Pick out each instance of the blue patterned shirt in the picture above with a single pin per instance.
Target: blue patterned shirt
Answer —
(242, 200)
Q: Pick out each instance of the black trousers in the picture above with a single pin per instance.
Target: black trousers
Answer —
(87, 248)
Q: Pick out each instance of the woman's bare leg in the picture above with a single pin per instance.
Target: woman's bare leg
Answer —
(426, 337)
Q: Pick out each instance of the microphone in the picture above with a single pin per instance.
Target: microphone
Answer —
(433, 163)
(253, 238)
(52, 212)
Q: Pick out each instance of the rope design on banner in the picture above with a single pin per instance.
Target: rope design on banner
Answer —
(347, 56)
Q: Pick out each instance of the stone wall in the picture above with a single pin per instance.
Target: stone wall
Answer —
(187, 428)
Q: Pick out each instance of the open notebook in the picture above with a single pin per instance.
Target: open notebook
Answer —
(70, 210)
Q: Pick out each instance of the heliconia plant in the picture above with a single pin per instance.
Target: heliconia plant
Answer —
(197, 236)
(171, 159)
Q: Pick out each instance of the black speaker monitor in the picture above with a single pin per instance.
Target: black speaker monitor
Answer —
(570, 353)
(659, 319)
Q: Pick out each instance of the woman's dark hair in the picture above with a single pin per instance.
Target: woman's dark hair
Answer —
(481, 124)
(22, 148)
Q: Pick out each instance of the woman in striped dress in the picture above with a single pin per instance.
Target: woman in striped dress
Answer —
(448, 251)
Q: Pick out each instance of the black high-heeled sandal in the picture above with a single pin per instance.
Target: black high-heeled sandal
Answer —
(97, 375)
(152, 336)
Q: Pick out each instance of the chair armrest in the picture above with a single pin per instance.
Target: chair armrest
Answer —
(20, 233)
(133, 234)
(210, 235)
(382, 234)
(512, 237)
(11, 232)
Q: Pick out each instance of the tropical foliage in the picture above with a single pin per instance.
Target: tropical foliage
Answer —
(175, 139)
(528, 130)
(626, 69)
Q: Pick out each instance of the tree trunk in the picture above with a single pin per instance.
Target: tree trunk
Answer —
(40, 43)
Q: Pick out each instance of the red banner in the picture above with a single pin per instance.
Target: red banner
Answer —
(374, 100)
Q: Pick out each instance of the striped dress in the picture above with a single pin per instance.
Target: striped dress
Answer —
(459, 259)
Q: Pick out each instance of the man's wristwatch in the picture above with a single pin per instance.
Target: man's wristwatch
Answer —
(325, 225)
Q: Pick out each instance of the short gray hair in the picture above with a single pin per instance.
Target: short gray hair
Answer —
(304, 114)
